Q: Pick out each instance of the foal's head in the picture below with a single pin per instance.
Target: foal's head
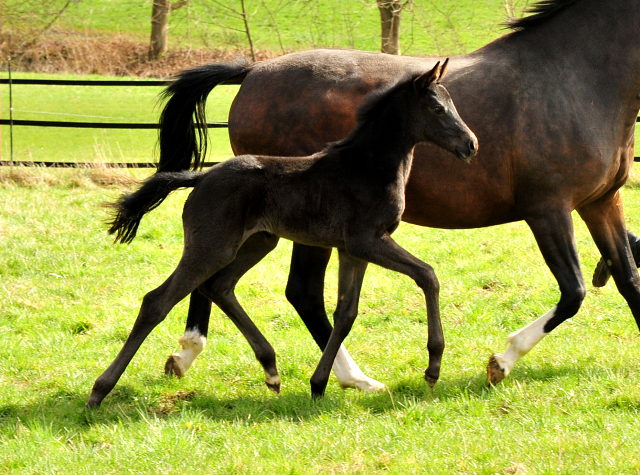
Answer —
(434, 117)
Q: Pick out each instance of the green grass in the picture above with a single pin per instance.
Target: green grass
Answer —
(69, 298)
(432, 27)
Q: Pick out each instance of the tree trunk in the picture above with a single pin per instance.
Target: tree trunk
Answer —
(159, 28)
(390, 20)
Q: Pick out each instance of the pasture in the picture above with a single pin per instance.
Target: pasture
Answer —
(69, 298)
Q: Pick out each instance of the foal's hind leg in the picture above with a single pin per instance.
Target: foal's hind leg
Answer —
(220, 289)
(195, 336)
(222, 283)
(155, 307)
(305, 291)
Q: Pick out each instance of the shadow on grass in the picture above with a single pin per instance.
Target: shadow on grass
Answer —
(64, 410)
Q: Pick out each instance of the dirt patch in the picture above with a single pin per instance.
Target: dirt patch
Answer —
(67, 53)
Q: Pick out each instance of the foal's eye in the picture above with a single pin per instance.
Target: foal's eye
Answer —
(438, 110)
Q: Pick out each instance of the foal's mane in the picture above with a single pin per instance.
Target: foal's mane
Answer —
(370, 108)
(541, 11)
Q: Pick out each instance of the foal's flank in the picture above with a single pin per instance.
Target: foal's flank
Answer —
(349, 196)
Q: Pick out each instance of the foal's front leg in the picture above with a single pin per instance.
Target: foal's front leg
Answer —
(385, 252)
(350, 276)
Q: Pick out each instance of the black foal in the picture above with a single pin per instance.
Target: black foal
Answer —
(350, 196)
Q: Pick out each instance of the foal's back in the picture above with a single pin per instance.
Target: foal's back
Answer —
(311, 200)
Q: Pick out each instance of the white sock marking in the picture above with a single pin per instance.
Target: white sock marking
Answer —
(192, 343)
(523, 340)
(349, 375)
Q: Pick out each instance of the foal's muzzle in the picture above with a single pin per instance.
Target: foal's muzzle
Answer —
(468, 148)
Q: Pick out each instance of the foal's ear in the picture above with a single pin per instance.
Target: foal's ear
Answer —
(428, 78)
(443, 70)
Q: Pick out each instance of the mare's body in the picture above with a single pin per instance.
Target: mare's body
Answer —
(553, 103)
(350, 196)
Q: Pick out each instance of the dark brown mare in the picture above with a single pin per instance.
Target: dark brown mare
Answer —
(553, 103)
(349, 196)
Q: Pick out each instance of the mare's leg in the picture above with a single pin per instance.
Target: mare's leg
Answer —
(305, 291)
(220, 289)
(385, 252)
(554, 234)
(350, 278)
(602, 273)
(191, 271)
(605, 221)
(223, 282)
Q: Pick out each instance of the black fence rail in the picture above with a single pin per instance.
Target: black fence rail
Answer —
(83, 125)
(93, 125)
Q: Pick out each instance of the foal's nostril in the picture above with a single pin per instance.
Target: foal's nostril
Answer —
(472, 146)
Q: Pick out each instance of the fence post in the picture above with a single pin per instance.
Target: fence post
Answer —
(10, 111)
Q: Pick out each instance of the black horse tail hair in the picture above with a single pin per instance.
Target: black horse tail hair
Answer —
(183, 124)
(132, 207)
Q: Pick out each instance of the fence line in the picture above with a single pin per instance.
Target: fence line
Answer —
(84, 125)
(93, 125)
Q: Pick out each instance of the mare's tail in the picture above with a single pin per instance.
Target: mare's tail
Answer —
(184, 114)
(132, 207)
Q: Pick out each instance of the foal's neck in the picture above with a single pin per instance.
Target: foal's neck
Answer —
(382, 145)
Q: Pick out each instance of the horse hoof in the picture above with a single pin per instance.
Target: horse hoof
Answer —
(495, 372)
(316, 396)
(365, 384)
(273, 383)
(601, 274)
(274, 387)
(93, 402)
(172, 368)
(431, 381)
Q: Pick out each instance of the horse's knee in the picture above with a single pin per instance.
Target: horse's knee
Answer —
(571, 300)
(428, 280)
(301, 295)
(153, 310)
(217, 290)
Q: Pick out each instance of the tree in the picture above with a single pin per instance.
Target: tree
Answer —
(390, 21)
(160, 26)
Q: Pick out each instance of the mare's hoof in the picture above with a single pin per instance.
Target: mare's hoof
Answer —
(364, 384)
(431, 381)
(495, 372)
(601, 274)
(171, 367)
(315, 396)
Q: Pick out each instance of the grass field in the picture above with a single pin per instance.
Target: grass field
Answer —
(69, 298)
(430, 27)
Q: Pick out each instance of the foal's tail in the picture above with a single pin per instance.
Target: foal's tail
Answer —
(184, 113)
(132, 207)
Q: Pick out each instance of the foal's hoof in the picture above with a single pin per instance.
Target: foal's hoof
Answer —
(273, 383)
(93, 402)
(495, 372)
(431, 381)
(601, 274)
(172, 367)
